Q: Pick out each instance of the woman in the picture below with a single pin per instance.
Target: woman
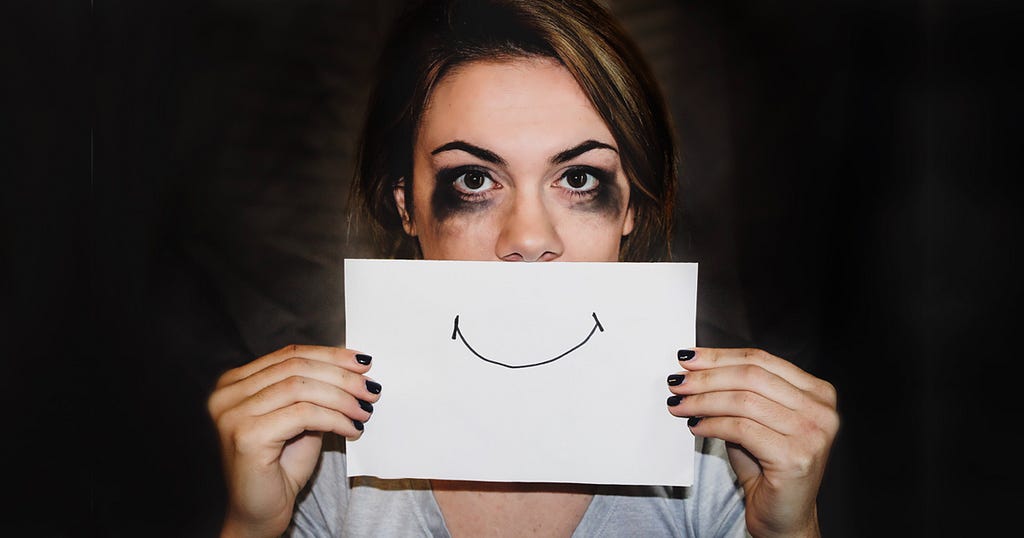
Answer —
(519, 131)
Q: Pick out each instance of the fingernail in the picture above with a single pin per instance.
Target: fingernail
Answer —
(686, 354)
(358, 425)
(674, 400)
(373, 387)
(676, 379)
(692, 421)
(365, 406)
(363, 359)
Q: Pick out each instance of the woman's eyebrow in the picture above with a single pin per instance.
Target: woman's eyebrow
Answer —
(476, 151)
(580, 149)
(491, 157)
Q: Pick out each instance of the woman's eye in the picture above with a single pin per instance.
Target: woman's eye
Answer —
(473, 181)
(578, 180)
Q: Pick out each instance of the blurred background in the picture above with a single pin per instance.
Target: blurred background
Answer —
(178, 207)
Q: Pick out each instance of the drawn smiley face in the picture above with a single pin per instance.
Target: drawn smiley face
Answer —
(457, 333)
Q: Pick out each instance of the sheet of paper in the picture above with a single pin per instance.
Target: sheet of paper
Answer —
(522, 372)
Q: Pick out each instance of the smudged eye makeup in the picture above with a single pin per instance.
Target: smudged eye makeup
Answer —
(592, 189)
(468, 189)
(461, 189)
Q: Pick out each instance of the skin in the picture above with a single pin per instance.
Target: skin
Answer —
(524, 113)
(512, 162)
(779, 423)
(271, 415)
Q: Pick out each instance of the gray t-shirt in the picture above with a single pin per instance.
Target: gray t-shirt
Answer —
(332, 506)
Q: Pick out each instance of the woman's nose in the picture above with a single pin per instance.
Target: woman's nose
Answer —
(528, 234)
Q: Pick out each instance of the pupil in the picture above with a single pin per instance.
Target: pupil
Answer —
(474, 180)
(577, 179)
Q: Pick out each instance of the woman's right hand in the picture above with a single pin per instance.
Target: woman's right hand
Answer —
(271, 415)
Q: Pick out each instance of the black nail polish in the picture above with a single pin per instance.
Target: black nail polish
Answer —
(674, 400)
(363, 359)
(373, 387)
(365, 406)
(358, 425)
(693, 421)
(676, 379)
(686, 354)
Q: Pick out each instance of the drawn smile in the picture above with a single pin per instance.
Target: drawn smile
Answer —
(457, 332)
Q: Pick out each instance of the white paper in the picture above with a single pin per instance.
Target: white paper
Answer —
(594, 411)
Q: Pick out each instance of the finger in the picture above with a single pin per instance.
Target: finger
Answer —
(765, 444)
(352, 382)
(345, 358)
(708, 357)
(276, 428)
(797, 455)
(753, 406)
(744, 377)
(296, 389)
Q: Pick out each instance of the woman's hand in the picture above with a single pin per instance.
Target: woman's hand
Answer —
(778, 422)
(271, 415)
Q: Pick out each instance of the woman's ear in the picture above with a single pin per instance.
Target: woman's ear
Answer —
(627, 224)
(399, 193)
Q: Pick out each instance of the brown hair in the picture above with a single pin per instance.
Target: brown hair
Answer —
(432, 37)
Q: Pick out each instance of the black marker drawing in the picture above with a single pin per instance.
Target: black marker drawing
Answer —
(457, 332)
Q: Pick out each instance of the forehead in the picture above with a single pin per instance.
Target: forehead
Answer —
(524, 104)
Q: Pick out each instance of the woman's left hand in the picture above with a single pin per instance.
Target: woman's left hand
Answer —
(779, 423)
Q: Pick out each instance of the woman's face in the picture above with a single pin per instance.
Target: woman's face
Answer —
(513, 163)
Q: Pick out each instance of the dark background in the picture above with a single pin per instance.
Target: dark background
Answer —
(174, 205)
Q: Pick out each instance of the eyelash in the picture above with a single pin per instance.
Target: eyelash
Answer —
(600, 176)
(449, 176)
